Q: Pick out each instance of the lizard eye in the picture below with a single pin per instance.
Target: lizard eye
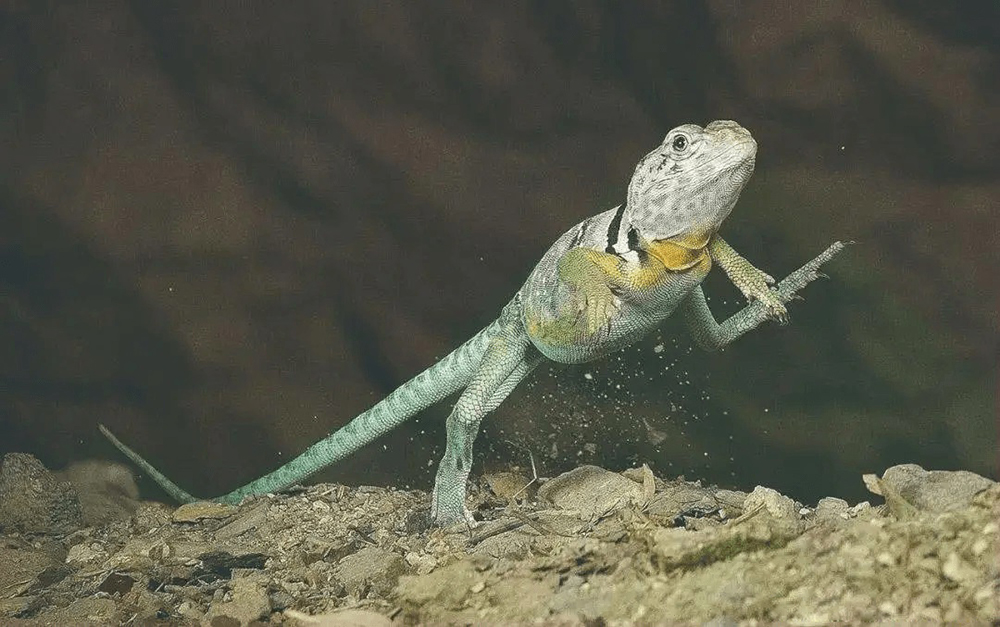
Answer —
(680, 143)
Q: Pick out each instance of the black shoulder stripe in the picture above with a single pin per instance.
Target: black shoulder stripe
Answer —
(614, 228)
(633, 239)
(633, 244)
(578, 236)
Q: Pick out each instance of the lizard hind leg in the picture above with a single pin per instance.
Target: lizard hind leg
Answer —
(507, 361)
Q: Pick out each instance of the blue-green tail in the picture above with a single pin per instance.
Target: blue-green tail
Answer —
(444, 378)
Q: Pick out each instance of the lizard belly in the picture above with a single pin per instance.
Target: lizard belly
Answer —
(556, 327)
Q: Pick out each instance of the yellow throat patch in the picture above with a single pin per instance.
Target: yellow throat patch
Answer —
(676, 254)
(681, 252)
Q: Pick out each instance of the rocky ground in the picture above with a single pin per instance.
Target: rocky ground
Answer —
(590, 547)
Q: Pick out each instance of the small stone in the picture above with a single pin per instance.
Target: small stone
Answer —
(988, 598)
(957, 569)
(887, 608)
(190, 610)
(776, 504)
(201, 510)
(831, 510)
(371, 568)
(116, 584)
(14, 606)
(281, 600)
(248, 601)
(253, 516)
(421, 563)
(83, 553)
(885, 559)
(979, 547)
(860, 509)
(478, 587)
(783, 511)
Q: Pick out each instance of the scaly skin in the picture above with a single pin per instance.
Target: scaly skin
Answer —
(604, 284)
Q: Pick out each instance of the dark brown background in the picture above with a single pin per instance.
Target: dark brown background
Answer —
(225, 228)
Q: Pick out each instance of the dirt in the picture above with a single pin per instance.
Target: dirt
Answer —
(590, 547)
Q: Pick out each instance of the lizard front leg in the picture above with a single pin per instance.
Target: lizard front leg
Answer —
(753, 282)
(595, 281)
(508, 359)
(713, 336)
(591, 274)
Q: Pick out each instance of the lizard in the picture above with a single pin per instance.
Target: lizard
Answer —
(604, 284)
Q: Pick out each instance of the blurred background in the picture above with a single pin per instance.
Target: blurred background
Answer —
(227, 228)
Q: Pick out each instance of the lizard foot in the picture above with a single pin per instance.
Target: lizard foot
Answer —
(448, 501)
(755, 285)
(447, 516)
(775, 308)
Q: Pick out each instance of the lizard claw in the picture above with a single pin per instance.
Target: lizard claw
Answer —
(777, 311)
(599, 308)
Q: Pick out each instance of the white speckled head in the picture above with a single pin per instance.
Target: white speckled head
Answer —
(691, 181)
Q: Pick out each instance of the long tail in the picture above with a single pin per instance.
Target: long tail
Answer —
(430, 386)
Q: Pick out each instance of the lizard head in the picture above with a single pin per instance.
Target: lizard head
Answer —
(687, 186)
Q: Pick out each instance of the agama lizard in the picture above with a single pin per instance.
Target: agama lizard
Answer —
(603, 285)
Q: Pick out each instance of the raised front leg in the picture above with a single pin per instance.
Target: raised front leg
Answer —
(712, 336)
(752, 281)
(509, 358)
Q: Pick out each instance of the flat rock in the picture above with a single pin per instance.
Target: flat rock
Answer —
(34, 500)
(370, 568)
(678, 499)
(202, 510)
(247, 601)
(831, 510)
(777, 505)
(930, 490)
(782, 513)
(591, 491)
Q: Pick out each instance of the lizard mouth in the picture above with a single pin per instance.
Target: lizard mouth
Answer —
(736, 169)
